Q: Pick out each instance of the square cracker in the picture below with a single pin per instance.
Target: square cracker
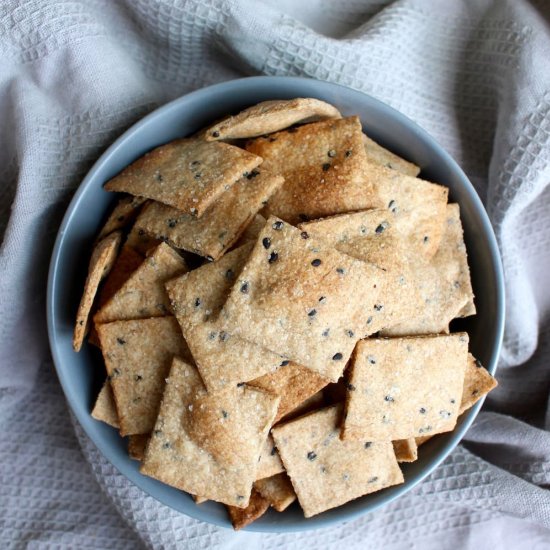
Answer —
(417, 207)
(293, 383)
(404, 387)
(188, 174)
(241, 517)
(378, 154)
(443, 283)
(123, 214)
(143, 294)
(213, 450)
(101, 262)
(270, 462)
(326, 471)
(105, 406)
(221, 357)
(220, 226)
(299, 297)
(138, 355)
(277, 490)
(323, 164)
(406, 450)
(369, 235)
(271, 116)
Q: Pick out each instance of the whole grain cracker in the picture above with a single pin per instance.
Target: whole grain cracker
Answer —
(323, 164)
(105, 406)
(417, 207)
(143, 294)
(188, 174)
(316, 401)
(293, 383)
(277, 490)
(270, 116)
(123, 214)
(404, 387)
(326, 471)
(221, 357)
(220, 226)
(379, 155)
(241, 517)
(269, 463)
(177, 457)
(137, 445)
(443, 283)
(406, 450)
(299, 297)
(138, 355)
(101, 262)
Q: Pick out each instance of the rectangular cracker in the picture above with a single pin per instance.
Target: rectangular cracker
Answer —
(271, 116)
(137, 445)
(269, 463)
(138, 355)
(105, 406)
(209, 445)
(405, 387)
(293, 383)
(241, 517)
(417, 207)
(443, 283)
(406, 450)
(143, 294)
(220, 226)
(277, 490)
(188, 174)
(378, 154)
(123, 214)
(103, 258)
(369, 235)
(299, 297)
(323, 164)
(221, 357)
(326, 471)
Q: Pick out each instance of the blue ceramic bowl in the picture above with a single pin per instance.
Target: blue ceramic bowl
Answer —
(82, 374)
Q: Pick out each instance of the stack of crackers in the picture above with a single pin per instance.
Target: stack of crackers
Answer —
(272, 299)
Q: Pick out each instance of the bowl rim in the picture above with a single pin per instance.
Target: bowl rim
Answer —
(233, 86)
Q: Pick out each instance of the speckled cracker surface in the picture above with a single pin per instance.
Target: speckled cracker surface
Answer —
(277, 490)
(211, 451)
(323, 164)
(271, 116)
(405, 387)
(478, 382)
(101, 262)
(241, 517)
(443, 283)
(270, 463)
(221, 225)
(137, 445)
(188, 174)
(105, 406)
(299, 297)
(369, 235)
(293, 383)
(326, 471)
(123, 214)
(380, 155)
(406, 450)
(143, 294)
(138, 355)
(417, 206)
(221, 357)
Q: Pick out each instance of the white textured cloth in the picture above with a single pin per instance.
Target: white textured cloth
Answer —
(75, 73)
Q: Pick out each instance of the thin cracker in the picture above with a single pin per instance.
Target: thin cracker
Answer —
(277, 490)
(105, 406)
(241, 517)
(137, 445)
(406, 450)
(188, 174)
(122, 215)
(326, 471)
(380, 155)
(269, 463)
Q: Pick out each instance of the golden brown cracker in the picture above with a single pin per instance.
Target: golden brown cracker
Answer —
(241, 517)
(406, 450)
(123, 214)
(378, 154)
(105, 406)
(137, 445)
(270, 463)
(277, 490)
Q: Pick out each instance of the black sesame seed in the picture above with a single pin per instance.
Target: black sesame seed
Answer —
(215, 134)
(116, 372)
(278, 225)
(381, 228)
(422, 410)
(304, 235)
(198, 176)
(253, 174)
(195, 163)
(121, 341)
(426, 239)
(371, 359)
(337, 357)
(157, 432)
(266, 241)
(325, 332)
(350, 333)
(350, 387)
(240, 384)
(212, 336)
(311, 455)
(198, 302)
(373, 479)
(209, 258)
(378, 307)
(240, 497)
(340, 270)
(326, 167)
(316, 262)
(225, 414)
(138, 377)
(284, 363)
(141, 232)
(331, 153)
(391, 204)
(312, 313)
(475, 392)
(223, 336)
(273, 451)
(348, 153)
(368, 444)
(166, 445)
(453, 401)
(229, 274)
(159, 177)
(244, 287)
(369, 320)
(389, 398)
(322, 299)
(171, 223)
(273, 257)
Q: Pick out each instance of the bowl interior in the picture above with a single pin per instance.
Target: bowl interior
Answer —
(81, 374)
